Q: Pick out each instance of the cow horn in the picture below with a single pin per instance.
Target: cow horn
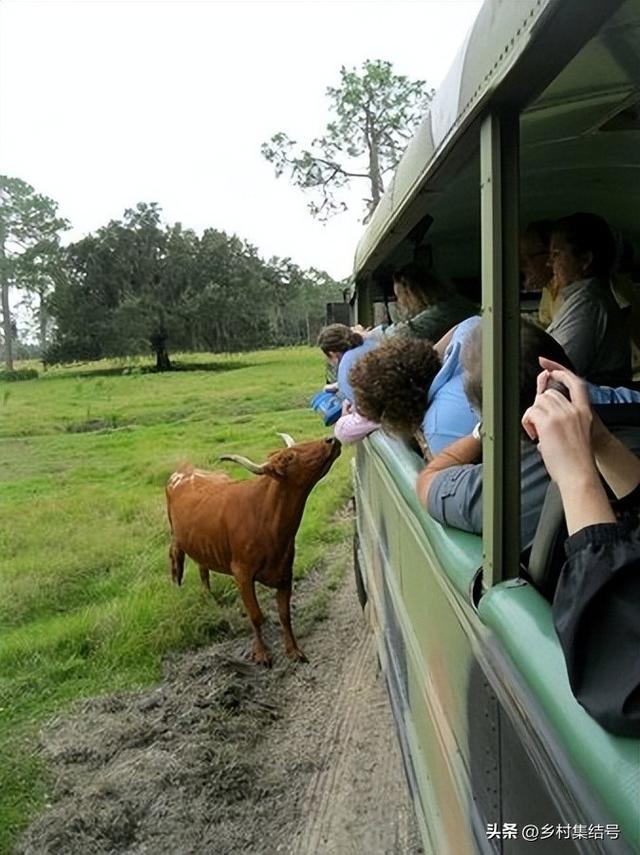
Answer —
(244, 461)
(289, 440)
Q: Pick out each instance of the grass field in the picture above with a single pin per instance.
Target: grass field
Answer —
(86, 605)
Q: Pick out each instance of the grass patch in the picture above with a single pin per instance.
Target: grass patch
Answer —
(86, 605)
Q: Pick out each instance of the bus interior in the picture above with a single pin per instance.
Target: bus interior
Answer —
(486, 720)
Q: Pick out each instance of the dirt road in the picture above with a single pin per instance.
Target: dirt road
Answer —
(223, 757)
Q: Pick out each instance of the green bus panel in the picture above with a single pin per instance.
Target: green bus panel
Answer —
(489, 729)
(521, 620)
(423, 627)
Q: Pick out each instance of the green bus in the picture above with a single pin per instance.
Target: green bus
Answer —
(539, 116)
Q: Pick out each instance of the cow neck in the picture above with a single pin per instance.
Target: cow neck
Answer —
(285, 501)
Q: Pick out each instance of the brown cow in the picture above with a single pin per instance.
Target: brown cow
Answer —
(248, 528)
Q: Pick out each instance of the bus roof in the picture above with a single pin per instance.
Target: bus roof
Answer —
(511, 54)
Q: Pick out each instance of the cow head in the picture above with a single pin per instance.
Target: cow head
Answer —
(302, 464)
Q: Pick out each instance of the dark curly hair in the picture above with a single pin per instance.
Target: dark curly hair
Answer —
(391, 383)
(338, 338)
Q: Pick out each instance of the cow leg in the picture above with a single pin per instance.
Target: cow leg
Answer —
(176, 558)
(261, 654)
(283, 598)
(204, 577)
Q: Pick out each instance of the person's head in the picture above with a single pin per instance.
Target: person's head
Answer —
(336, 339)
(416, 288)
(391, 383)
(534, 255)
(582, 246)
(534, 342)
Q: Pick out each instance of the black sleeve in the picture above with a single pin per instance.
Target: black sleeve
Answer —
(596, 611)
(628, 505)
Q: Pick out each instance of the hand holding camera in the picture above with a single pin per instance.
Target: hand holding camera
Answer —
(562, 422)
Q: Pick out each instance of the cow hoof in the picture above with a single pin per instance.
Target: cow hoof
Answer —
(262, 657)
(296, 655)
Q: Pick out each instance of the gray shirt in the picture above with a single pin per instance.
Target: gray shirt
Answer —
(594, 332)
(455, 494)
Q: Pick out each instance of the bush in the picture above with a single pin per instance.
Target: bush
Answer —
(19, 374)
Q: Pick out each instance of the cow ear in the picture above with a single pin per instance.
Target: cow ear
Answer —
(278, 463)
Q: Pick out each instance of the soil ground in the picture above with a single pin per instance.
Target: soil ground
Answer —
(225, 757)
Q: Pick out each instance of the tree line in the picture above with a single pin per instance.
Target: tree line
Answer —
(138, 284)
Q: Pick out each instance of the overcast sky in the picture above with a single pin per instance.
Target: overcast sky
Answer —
(106, 103)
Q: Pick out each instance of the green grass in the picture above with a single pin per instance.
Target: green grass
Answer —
(86, 605)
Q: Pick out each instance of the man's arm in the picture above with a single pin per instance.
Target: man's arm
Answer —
(465, 450)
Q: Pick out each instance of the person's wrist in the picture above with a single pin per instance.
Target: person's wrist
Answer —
(585, 502)
(578, 481)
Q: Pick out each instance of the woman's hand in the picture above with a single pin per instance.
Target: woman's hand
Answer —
(562, 427)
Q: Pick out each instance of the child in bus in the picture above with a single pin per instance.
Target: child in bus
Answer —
(589, 325)
(429, 309)
(342, 347)
(408, 384)
(596, 608)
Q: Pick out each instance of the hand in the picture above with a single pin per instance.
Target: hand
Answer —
(331, 387)
(599, 433)
(359, 329)
(562, 427)
(347, 408)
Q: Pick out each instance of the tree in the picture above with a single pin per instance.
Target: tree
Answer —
(375, 113)
(136, 284)
(127, 289)
(42, 268)
(29, 243)
(231, 304)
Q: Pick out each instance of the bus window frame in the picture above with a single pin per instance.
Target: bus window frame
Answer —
(499, 229)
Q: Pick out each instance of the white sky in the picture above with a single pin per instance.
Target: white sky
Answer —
(106, 103)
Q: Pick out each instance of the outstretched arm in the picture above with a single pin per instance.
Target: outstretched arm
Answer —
(467, 449)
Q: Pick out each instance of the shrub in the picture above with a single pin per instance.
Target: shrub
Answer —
(19, 374)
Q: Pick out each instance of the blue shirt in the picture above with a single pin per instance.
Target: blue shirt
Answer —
(347, 360)
(449, 414)
(611, 395)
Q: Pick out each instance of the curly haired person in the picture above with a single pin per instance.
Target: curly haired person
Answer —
(409, 384)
